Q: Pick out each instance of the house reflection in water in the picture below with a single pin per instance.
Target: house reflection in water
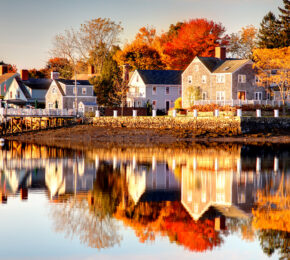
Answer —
(155, 182)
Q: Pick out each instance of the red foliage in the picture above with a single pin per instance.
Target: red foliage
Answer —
(12, 68)
(197, 37)
(212, 107)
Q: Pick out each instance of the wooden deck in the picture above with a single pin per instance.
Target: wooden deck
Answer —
(15, 121)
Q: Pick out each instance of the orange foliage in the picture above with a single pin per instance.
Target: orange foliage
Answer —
(173, 221)
(273, 212)
(197, 37)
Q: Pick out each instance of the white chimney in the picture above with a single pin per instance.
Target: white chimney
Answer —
(54, 75)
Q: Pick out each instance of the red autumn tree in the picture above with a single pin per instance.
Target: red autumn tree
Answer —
(12, 68)
(197, 37)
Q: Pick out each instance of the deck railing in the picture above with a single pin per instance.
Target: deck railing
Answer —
(36, 112)
(238, 102)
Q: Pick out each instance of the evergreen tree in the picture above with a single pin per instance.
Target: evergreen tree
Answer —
(269, 32)
(285, 24)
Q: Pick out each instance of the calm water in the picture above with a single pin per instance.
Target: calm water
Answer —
(204, 202)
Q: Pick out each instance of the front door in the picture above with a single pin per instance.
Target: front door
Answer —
(242, 95)
(167, 105)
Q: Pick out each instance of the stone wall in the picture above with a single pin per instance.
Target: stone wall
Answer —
(220, 126)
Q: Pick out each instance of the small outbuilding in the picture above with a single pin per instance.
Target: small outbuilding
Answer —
(85, 107)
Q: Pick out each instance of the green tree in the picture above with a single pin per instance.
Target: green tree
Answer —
(107, 84)
(269, 32)
(284, 23)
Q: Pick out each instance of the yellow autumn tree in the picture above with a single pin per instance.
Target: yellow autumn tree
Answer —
(273, 68)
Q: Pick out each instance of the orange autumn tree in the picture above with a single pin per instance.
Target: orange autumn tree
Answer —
(273, 68)
(150, 219)
(197, 37)
(142, 52)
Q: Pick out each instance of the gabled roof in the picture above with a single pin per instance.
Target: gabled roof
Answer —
(230, 66)
(6, 79)
(23, 88)
(161, 77)
(215, 65)
(38, 83)
(59, 87)
(72, 82)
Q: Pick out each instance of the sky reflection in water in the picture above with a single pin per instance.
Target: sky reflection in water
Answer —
(204, 202)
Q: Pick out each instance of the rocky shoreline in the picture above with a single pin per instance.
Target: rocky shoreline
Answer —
(97, 136)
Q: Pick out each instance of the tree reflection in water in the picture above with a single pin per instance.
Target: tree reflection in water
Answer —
(91, 220)
(150, 219)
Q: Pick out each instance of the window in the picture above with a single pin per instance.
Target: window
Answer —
(258, 95)
(196, 68)
(137, 78)
(220, 95)
(84, 91)
(91, 109)
(241, 78)
(53, 91)
(18, 94)
(167, 90)
(220, 78)
(189, 79)
(50, 105)
(154, 102)
(154, 91)
(10, 94)
(257, 79)
(203, 78)
(204, 95)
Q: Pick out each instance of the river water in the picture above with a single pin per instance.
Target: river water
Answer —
(224, 201)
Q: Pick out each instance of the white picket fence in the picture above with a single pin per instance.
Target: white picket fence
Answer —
(36, 112)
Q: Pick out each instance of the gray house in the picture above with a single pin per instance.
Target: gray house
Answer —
(160, 87)
(220, 80)
(62, 94)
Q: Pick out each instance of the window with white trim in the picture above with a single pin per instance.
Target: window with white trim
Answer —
(220, 78)
(167, 90)
(196, 67)
(154, 102)
(220, 95)
(241, 78)
(154, 90)
(204, 96)
(84, 91)
(50, 105)
(258, 95)
(189, 79)
(53, 91)
(203, 78)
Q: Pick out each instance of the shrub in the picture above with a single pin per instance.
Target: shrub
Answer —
(178, 103)
(212, 107)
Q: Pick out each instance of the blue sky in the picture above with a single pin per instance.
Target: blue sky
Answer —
(28, 26)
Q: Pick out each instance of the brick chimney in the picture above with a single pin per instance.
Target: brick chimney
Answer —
(125, 75)
(220, 53)
(54, 75)
(3, 69)
(91, 69)
(24, 75)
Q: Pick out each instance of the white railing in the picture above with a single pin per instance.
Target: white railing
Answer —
(238, 102)
(36, 112)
